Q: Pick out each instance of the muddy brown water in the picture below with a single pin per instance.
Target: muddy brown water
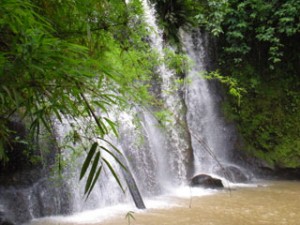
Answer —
(273, 203)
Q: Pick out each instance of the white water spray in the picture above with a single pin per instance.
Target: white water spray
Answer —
(178, 144)
(210, 137)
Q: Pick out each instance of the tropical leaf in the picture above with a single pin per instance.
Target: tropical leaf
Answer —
(115, 157)
(92, 173)
(111, 145)
(94, 181)
(88, 160)
(113, 173)
(112, 126)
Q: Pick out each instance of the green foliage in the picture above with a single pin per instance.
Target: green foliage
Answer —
(129, 216)
(260, 30)
(163, 116)
(211, 15)
(177, 62)
(73, 61)
(268, 117)
(233, 88)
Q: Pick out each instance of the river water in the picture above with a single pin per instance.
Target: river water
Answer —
(268, 203)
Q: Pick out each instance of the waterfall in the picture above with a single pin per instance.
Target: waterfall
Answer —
(212, 139)
(179, 143)
(146, 146)
(159, 159)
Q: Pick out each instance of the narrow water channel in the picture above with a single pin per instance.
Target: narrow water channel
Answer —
(272, 203)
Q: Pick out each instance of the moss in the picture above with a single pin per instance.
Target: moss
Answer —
(268, 117)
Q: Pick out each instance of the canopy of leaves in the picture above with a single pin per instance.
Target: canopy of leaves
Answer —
(262, 30)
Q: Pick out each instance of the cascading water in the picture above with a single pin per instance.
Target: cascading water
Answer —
(135, 146)
(146, 146)
(106, 192)
(179, 143)
(212, 140)
(151, 152)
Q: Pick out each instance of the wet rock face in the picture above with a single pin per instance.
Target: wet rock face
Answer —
(44, 198)
(16, 151)
(24, 153)
(4, 220)
(206, 181)
(27, 189)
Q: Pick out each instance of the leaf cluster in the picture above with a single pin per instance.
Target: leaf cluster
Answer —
(260, 31)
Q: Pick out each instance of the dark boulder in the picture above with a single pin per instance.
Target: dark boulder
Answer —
(206, 181)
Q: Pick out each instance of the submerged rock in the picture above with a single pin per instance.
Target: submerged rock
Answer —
(206, 181)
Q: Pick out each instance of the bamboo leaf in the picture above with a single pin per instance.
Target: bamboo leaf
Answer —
(88, 160)
(115, 157)
(113, 173)
(57, 114)
(34, 126)
(92, 173)
(112, 125)
(100, 104)
(94, 181)
(103, 127)
(45, 123)
(110, 144)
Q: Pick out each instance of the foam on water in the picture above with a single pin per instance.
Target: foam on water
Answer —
(88, 216)
(188, 192)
